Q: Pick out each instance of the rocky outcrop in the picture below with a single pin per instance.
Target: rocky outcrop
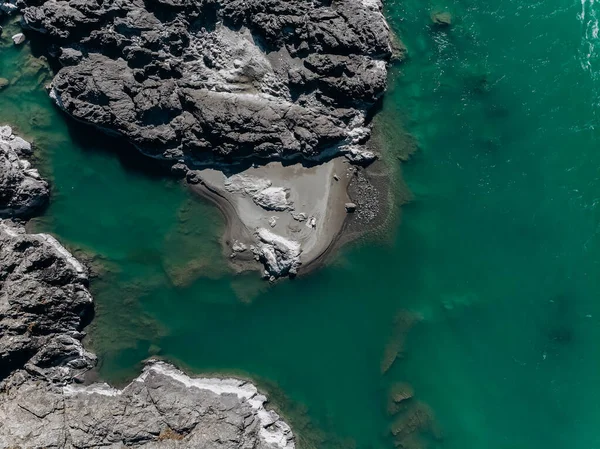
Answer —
(22, 191)
(262, 191)
(203, 81)
(44, 303)
(9, 7)
(280, 256)
(162, 408)
(44, 306)
(274, 198)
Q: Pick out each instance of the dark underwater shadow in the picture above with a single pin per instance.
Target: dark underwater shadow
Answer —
(89, 139)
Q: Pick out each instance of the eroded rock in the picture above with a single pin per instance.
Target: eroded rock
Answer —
(44, 304)
(22, 191)
(274, 198)
(280, 256)
(218, 81)
(163, 407)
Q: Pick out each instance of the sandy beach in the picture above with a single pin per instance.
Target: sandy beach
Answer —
(304, 211)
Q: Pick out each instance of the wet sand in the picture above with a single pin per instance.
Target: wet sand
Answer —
(318, 192)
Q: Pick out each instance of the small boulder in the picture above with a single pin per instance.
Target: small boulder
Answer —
(360, 156)
(4, 83)
(238, 247)
(179, 170)
(299, 216)
(441, 19)
(274, 198)
(350, 207)
(18, 39)
(192, 177)
(70, 56)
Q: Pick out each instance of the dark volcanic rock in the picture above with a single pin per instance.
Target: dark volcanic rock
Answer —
(22, 191)
(205, 80)
(43, 306)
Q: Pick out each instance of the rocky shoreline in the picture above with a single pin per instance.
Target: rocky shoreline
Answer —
(228, 85)
(44, 400)
(205, 82)
(22, 191)
(275, 97)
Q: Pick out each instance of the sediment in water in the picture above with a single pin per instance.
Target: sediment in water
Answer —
(403, 322)
(45, 305)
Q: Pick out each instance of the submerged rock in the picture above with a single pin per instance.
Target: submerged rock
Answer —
(441, 19)
(403, 322)
(22, 191)
(44, 304)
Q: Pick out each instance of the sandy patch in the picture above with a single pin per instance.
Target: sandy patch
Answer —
(293, 206)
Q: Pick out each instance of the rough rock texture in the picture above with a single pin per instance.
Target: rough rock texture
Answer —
(22, 191)
(246, 184)
(202, 81)
(162, 408)
(273, 198)
(280, 256)
(262, 191)
(44, 304)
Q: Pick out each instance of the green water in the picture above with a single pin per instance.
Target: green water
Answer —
(495, 261)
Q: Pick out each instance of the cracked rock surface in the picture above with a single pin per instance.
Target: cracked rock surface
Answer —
(205, 81)
(162, 408)
(44, 303)
(22, 191)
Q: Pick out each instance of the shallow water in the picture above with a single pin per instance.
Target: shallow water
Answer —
(487, 290)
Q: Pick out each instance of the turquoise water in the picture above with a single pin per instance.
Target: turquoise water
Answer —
(484, 299)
